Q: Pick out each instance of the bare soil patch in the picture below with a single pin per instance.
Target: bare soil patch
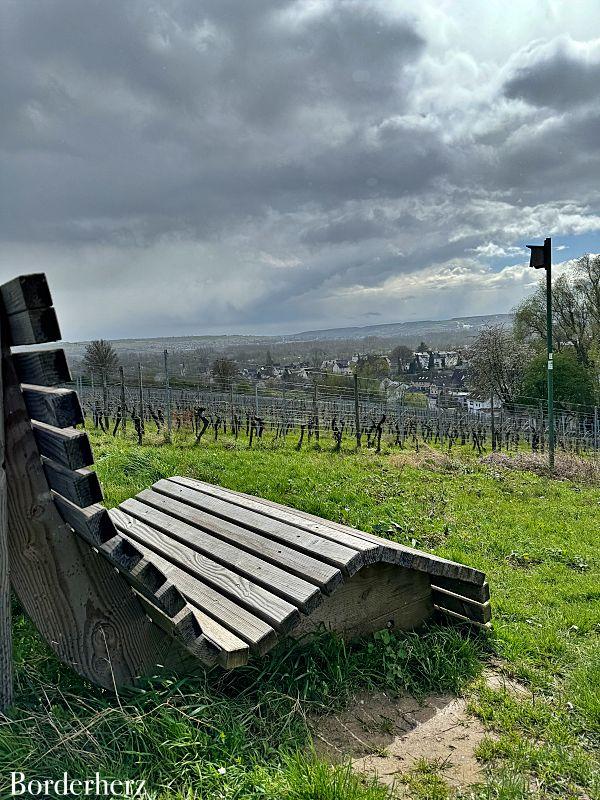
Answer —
(386, 737)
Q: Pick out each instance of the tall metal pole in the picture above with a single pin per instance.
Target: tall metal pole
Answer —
(548, 263)
(168, 391)
(357, 410)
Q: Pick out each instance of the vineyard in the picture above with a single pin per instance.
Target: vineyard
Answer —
(319, 413)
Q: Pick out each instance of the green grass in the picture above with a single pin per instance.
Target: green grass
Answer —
(245, 734)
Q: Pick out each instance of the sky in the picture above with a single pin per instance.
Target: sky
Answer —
(251, 166)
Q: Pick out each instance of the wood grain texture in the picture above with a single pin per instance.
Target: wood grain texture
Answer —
(58, 407)
(389, 551)
(6, 659)
(379, 596)
(471, 609)
(470, 590)
(297, 563)
(66, 446)
(296, 591)
(371, 551)
(80, 486)
(343, 558)
(93, 522)
(33, 327)
(81, 606)
(42, 367)
(252, 629)
(27, 292)
(280, 614)
(184, 629)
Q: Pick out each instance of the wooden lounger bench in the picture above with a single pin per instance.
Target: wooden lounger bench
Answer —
(185, 572)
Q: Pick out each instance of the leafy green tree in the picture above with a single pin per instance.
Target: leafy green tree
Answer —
(415, 399)
(573, 382)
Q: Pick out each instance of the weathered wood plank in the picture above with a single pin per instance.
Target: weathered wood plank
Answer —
(33, 327)
(80, 486)
(459, 618)
(470, 590)
(80, 605)
(58, 407)
(256, 632)
(27, 292)
(264, 604)
(42, 367)
(391, 552)
(67, 446)
(379, 596)
(299, 592)
(478, 612)
(93, 522)
(184, 629)
(338, 555)
(310, 569)
(371, 552)
(6, 655)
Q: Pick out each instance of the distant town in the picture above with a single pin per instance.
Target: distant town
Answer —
(424, 372)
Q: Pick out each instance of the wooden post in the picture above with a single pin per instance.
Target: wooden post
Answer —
(493, 421)
(232, 415)
(6, 661)
(123, 414)
(256, 398)
(357, 410)
(596, 428)
(168, 393)
(141, 389)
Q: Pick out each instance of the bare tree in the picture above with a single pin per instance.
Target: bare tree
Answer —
(575, 306)
(223, 371)
(101, 358)
(498, 361)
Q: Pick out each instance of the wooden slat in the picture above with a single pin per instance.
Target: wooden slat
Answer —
(340, 556)
(184, 628)
(371, 551)
(256, 632)
(302, 594)
(84, 610)
(67, 446)
(470, 590)
(97, 529)
(478, 612)
(310, 569)
(58, 407)
(93, 523)
(391, 552)
(42, 367)
(27, 292)
(80, 486)
(460, 618)
(264, 604)
(34, 327)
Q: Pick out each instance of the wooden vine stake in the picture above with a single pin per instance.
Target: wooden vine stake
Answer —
(6, 661)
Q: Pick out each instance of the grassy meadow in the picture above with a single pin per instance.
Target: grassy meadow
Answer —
(246, 734)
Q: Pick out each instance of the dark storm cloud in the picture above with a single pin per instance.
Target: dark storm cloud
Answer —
(559, 76)
(266, 161)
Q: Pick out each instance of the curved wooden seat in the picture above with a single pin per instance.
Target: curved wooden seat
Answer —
(185, 572)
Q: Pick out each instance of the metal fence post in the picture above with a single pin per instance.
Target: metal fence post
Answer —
(168, 398)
